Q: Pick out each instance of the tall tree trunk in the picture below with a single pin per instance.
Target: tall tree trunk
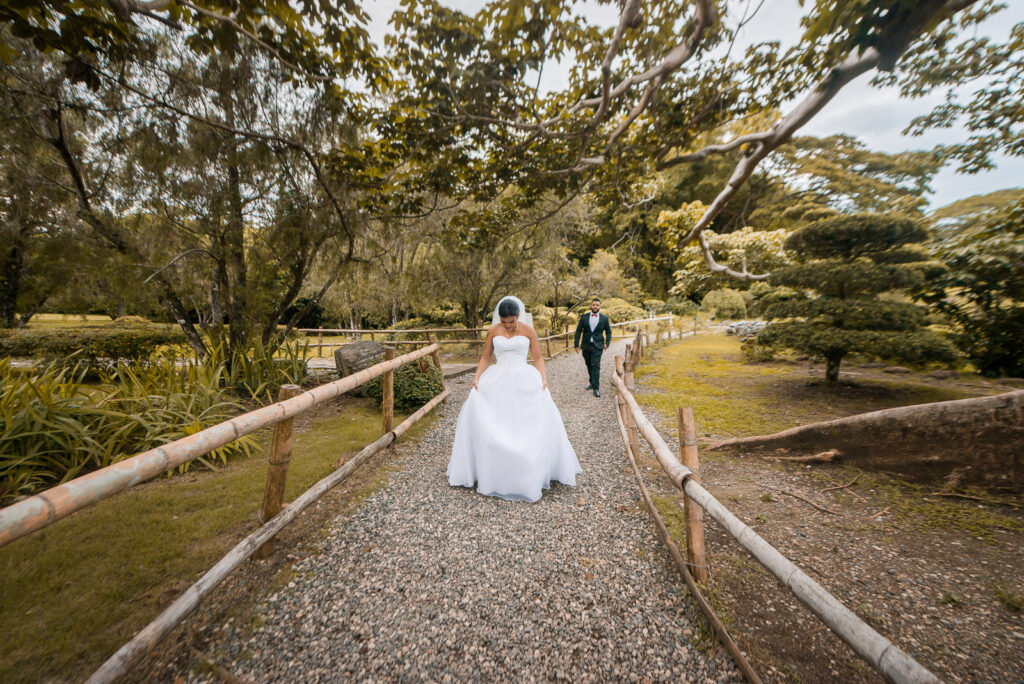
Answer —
(25, 317)
(832, 360)
(10, 282)
(235, 235)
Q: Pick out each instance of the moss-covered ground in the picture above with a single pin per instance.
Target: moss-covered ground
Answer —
(70, 595)
(731, 398)
(937, 571)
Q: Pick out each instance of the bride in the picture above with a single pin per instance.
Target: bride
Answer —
(510, 440)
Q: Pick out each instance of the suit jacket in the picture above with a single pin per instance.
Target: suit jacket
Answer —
(601, 335)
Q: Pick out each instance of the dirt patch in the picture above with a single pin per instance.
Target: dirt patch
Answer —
(943, 578)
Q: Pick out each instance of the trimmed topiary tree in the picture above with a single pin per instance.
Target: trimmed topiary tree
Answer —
(850, 262)
(725, 303)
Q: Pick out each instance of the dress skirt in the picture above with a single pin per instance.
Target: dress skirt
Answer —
(510, 440)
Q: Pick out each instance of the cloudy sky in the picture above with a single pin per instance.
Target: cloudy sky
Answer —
(875, 116)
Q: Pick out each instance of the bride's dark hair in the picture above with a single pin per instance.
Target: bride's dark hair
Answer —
(507, 307)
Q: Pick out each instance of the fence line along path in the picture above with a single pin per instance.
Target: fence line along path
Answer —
(428, 582)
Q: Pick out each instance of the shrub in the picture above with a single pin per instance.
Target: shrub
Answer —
(415, 385)
(259, 371)
(724, 303)
(444, 316)
(55, 428)
(764, 295)
(91, 348)
(654, 306)
(755, 352)
(413, 323)
(684, 307)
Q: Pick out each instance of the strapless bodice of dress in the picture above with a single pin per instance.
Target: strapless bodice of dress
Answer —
(510, 352)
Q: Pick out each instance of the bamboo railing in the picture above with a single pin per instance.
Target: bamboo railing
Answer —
(41, 510)
(887, 658)
(37, 512)
(472, 335)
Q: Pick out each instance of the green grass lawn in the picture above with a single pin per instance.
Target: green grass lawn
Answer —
(731, 398)
(72, 594)
(56, 320)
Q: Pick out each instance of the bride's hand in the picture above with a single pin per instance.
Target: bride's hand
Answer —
(545, 384)
(475, 385)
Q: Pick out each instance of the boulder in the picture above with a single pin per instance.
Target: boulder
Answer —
(944, 374)
(356, 356)
(896, 370)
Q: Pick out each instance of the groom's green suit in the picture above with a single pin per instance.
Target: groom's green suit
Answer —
(593, 344)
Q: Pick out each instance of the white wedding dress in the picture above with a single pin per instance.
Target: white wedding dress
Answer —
(510, 440)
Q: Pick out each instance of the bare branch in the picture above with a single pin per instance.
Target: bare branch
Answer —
(703, 154)
(827, 89)
(716, 267)
(172, 262)
(705, 17)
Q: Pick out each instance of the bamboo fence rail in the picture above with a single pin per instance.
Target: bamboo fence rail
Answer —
(45, 508)
(118, 664)
(673, 548)
(887, 658)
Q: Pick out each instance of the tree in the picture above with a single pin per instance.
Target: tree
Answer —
(982, 289)
(647, 98)
(856, 264)
(603, 278)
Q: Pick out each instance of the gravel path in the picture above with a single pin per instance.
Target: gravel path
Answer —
(432, 583)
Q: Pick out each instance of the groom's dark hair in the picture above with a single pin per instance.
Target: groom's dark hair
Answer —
(595, 299)
(507, 308)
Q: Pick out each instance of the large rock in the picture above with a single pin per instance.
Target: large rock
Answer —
(356, 356)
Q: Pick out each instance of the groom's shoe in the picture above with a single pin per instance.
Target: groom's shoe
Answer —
(597, 392)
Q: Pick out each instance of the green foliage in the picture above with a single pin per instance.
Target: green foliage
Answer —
(313, 318)
(682, 307)
(849, 260)
(762, 295)
(415, 385)
(617, 311)
(839, 171)
(982, 290)
(756, 250)
(259, 371)
(654, 306)
(444, 316)
(96, 348)
(724, 303)
(754, 351)
(53, 427)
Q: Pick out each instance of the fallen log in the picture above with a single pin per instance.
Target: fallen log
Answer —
(983, 437)
(823, 457)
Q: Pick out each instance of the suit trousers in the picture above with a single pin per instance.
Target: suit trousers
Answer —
(592, 357)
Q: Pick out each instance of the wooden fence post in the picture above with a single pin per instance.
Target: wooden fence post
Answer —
(631, 430)
(436, 356)
(388, 400)
(566, 337)
(547, 342)
(694, 513)
(277, 468)
(320, 343)
(694, 324)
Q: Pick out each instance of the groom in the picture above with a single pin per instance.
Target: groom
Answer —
(597, 335)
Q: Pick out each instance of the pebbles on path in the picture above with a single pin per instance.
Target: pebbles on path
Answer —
(434, 583)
